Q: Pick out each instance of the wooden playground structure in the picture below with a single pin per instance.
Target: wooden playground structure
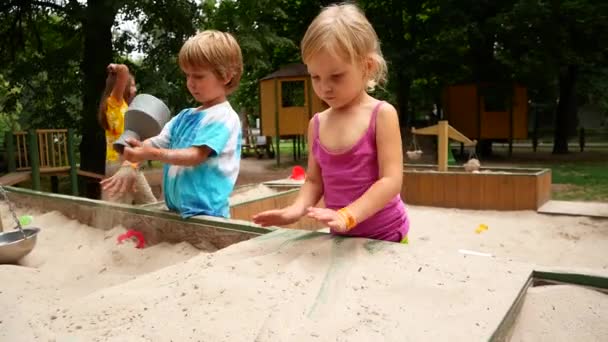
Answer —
(42, 152)
(444, 132)
(287, 103)
(453, 187)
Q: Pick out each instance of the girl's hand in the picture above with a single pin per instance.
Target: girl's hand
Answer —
(329, 217)
(111, 68)
(122, 181)
(277, 217)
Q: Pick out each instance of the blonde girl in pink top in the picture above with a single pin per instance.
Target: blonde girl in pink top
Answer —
(356, 161)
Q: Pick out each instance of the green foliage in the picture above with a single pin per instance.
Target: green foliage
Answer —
(427, 43)
(10, 107)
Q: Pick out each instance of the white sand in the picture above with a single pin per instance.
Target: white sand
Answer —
(523, 236)
(71, 261)
(562, 313)
(86, 287)
(250, 194)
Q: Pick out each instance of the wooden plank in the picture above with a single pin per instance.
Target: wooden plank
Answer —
(52, 155)
(15, 178)
(460, 190)
(52, 130)
(473, 198)
(49, 147)
(65, 150)
(522, 189)
(90, 174)
(55, 169)
(437, 185)
(543, 189)
(504, 196)
(424, 193)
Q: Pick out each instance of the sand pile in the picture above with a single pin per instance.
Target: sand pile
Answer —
(293, 286)
(71, 261)
(249, 194)
(562, 313)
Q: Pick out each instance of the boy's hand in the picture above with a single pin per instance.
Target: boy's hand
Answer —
(137, 151)
(122, 181)
(277, 217)
(329, 217)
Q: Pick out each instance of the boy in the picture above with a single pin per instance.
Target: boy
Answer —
(200, 146)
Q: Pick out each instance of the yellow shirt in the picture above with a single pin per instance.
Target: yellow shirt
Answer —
(115, 114)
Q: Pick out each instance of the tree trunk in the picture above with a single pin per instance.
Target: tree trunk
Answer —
(97, 23)
(565, 115)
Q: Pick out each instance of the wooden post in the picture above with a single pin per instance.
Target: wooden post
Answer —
(442, 146)
(277, 135)
(72, 161)
(10, 151)
(34, 159)
(511, 103)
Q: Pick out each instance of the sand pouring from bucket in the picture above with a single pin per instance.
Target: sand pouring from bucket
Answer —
(145, 118)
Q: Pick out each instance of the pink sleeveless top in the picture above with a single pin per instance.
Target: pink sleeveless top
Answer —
(347, 175)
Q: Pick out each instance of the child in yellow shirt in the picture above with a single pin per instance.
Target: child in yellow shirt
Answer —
(119, 92)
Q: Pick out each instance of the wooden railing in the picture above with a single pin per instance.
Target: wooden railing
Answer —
(22, 159)
(46, 151)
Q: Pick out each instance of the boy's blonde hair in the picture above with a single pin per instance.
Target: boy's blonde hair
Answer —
(343, 30)
(216, 50)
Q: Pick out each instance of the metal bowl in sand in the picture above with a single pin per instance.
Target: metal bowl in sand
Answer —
(14, 247)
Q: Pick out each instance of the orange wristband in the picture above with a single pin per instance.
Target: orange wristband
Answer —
(348, 218)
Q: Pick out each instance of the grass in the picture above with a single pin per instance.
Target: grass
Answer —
(581, 181)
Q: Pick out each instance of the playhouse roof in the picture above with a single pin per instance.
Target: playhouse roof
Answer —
(291, 70)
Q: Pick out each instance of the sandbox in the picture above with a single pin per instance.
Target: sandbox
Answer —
(248, 200)
(558, 306)
(490, 188)
(246, 283)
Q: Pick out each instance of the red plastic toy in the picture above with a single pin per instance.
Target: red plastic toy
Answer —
(141, 241)
(298, 173)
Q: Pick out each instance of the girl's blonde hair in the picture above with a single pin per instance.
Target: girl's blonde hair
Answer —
(218, 51)
(343, 30)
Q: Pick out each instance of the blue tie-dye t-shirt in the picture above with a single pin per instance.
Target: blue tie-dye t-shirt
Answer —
(203, 189)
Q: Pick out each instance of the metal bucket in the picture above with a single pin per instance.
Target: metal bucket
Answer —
(14, 247)
(145, 118)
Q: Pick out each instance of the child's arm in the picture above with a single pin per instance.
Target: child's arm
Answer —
(183, 157)
(309, 195)
(122, 80)
(390, 162)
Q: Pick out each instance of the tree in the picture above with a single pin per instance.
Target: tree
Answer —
(561, 38)
(81, 45)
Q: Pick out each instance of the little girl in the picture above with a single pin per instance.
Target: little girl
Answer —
(133, 188)
(355, 161)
